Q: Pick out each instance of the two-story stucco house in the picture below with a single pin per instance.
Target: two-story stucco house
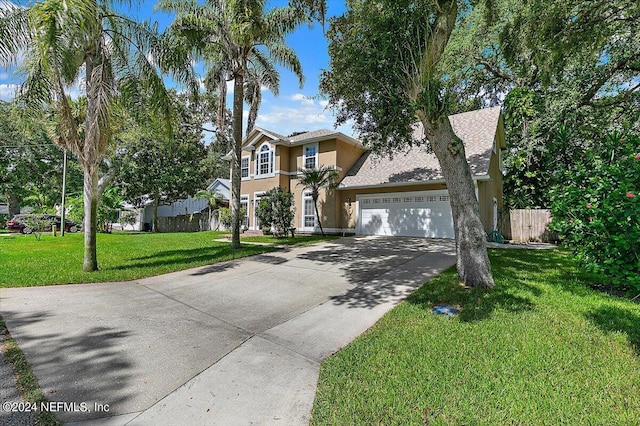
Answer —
(403, 196)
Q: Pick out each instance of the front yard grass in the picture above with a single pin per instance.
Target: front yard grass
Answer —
(540, 348)
(121, 256)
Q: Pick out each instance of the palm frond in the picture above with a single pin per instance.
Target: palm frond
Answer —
(15, 35)
(265, 71)
(286, 57)
(281, 21)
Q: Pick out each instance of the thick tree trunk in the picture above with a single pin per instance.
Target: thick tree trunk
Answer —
(91, 196)
(154, 221)
(13, 203)
(235, 159)
(474, 268)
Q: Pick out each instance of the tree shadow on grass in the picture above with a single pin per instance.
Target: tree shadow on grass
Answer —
(191, 257)
(616, 319)
(87, 366)
(515, 273)
(474, 304)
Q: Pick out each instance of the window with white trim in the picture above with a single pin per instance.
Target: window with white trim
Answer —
(244, 167)
(310, 159)
(264, 160)
(309, 211)
(244, 204)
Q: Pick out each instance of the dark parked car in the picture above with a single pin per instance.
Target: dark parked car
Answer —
(20, 223)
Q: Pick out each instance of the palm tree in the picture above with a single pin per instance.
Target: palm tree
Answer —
(233, 36)
(260, 74)
(63, 43)
(212, 196)
(315, 180)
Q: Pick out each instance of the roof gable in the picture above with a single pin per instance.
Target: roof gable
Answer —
(257, 133)
(221, 186)
(478, 130)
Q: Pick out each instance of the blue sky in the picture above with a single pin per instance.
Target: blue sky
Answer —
(295, 109)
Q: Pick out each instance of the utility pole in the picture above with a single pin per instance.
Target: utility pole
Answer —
(64, 190)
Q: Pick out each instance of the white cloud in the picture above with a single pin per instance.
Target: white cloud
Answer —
(305, 117)
(8, 91)
(299, 97)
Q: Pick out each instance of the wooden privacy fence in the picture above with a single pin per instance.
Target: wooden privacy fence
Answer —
(522, 225)
(187, 223)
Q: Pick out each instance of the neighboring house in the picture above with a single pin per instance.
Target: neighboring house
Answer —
(188, 206)
(402, 196)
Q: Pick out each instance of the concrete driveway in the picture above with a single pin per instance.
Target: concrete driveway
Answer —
(234, 343)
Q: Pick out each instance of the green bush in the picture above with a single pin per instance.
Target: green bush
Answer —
(597, 212)
(226, 216)
(36, 224)
(275, 211)
(127, 217)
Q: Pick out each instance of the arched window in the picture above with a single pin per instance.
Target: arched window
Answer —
(264, 160)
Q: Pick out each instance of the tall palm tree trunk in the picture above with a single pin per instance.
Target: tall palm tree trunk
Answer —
(91, 196)
(315, 205)
(90, 160)
(236, 155)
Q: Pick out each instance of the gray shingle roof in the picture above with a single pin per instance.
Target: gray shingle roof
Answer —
(477, 129)
(310, 135)
(302, 138)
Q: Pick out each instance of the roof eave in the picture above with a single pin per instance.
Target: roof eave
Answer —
(413, 183)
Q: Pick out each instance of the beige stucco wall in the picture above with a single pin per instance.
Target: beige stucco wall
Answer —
(333, 204)
(289, 159)
(326, 201)
(488, 190)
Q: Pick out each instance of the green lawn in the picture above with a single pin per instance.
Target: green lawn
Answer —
(121, 256)
(541, 348)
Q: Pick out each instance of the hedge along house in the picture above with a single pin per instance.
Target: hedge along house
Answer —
(401, 196)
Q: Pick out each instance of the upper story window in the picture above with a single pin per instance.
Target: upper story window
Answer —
(264, 160)
(244, 167)
(310, 159)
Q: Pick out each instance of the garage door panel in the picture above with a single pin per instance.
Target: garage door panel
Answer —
(431, 218)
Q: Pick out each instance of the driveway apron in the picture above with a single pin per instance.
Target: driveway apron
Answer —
(234, 343)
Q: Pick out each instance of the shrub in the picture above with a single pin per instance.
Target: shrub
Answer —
(226, 216)
(597, 212)
(36, 223)
(127, 217)
(275, 211)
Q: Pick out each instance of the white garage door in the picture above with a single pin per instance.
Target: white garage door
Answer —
(409, 214)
